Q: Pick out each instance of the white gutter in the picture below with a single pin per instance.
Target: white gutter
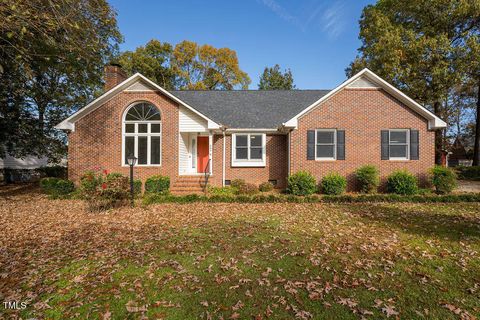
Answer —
(251, 130)
(223, 159)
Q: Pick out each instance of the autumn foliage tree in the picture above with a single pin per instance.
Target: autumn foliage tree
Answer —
(153, 61)
(52, 55)
(186, 65)
(422, 48)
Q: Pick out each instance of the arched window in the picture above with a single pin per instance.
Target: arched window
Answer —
(142, 129)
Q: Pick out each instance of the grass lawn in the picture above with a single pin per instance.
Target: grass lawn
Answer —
(239, 261)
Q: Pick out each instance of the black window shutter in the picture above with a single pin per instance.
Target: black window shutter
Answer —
(385, 145)
(414, 144)
(340, 144)
(311, 145)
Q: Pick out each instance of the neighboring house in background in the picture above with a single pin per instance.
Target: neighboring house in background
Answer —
(253, 135)
(15, 169)
(30, 162)
(26, 170)
(458, 155)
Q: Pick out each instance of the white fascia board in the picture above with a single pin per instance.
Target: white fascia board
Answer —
(434, 122)
(233, 130)
(69, 123)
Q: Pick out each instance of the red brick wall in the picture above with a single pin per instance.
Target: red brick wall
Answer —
(362, 113)
(97, 139)
(113, 75)
(275, 169)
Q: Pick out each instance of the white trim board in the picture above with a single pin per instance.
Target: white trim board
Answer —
(69, 123)
(434, 122)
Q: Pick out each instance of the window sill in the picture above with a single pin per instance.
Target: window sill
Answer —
(325, 160)
(248, 164)
(143, 165)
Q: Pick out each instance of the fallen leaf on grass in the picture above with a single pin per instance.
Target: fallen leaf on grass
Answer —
(452, 308)
(107, 315)
(132, 307)
(389, 311)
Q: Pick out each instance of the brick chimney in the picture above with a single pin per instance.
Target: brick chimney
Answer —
(113, 75)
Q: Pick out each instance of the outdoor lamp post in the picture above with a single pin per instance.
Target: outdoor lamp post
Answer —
(131, 162)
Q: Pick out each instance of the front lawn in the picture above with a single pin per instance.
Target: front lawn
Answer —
(239, 261)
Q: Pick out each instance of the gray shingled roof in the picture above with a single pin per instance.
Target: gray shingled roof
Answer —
(250, 108)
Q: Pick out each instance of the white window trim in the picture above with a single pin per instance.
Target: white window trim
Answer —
(136, 134)
(407, 131)
(250, 162)
(327, 144)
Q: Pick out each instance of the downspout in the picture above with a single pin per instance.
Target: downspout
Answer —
(289, 146)
(223, 157)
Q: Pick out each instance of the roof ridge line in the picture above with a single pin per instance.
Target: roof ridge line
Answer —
(253, 90)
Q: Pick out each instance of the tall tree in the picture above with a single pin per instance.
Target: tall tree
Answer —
(153, 61)
(415, 45)
(207, 68)
(274, 79)
(186, 66)
(52, 55)
(469, 62)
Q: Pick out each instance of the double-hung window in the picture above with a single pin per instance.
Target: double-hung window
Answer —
(399, 144)
(248, 149)
(325, 144)
(142, 130)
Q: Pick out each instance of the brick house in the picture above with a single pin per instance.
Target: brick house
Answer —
(254, 135)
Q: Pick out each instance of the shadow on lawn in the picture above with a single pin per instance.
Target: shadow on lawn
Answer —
(15, 190)
(427, 222)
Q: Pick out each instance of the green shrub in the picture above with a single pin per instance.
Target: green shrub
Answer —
(56, 187)
(368, 178)
(280, 198)
(265, 186)
(237, 183)
(157, 184)
(402, 182)
(333, 183)
(104, 191)
(137, 183)
(63, 187)
(113, 175)
(47, 184)
(137, 187)
(90, 181)
(247, 189)
(468, 173)
(443, 179)
(301, 183)
(221, 191)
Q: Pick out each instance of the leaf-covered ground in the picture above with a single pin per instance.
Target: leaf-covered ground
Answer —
(238, 261)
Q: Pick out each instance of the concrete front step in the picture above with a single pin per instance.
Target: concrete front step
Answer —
(186, 191)
(188, 185)
(186, 188)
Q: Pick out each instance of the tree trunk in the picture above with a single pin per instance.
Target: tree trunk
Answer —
(476, 147)
(438, 136)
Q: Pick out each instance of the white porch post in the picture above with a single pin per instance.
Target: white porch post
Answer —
(288, 152)
(210, 150)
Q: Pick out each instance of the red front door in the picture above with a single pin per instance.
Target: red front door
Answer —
(202, 154)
